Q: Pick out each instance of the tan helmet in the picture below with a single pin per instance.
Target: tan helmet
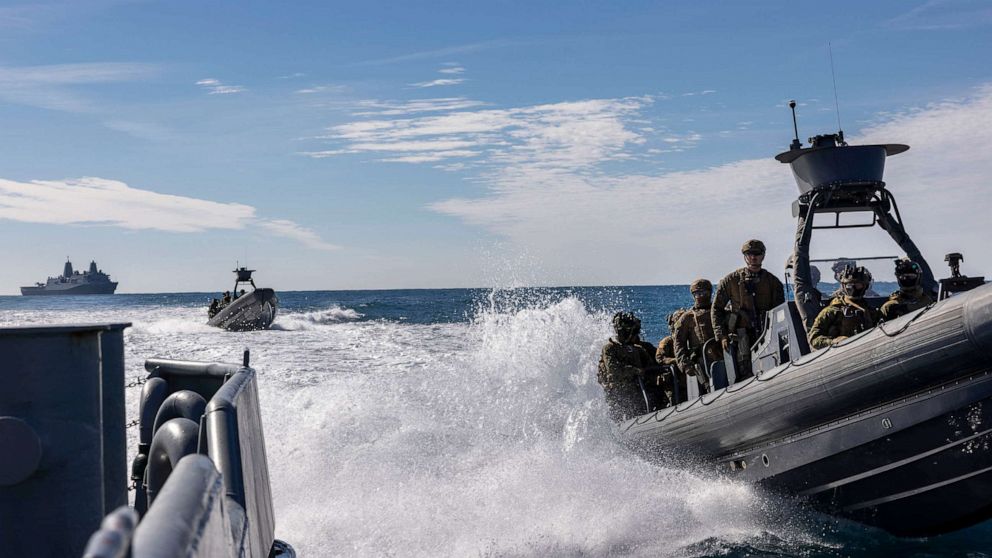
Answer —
(701, 285)
(753, 245)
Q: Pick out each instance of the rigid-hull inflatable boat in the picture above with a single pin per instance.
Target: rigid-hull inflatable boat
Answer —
(891, 427)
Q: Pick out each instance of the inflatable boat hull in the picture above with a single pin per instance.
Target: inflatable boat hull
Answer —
(891, 428)
(249, 312)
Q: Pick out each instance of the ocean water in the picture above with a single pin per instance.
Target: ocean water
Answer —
(468, 423)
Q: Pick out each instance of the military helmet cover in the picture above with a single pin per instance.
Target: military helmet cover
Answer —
(701, 285)
(857, 274)
(839, 265)
(906, 266)
(753, 245)
(626, 320)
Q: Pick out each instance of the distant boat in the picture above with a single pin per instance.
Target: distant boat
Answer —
(247, 312)
(92, 282)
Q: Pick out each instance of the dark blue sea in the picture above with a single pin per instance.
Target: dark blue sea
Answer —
(469, 422)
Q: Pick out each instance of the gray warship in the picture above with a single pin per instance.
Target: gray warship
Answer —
(891, 427)
(91, 282)
(200, 477)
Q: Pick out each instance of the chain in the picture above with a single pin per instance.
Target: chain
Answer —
(138, 380)
(132, 424)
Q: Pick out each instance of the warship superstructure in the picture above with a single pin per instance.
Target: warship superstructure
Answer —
(91, 282)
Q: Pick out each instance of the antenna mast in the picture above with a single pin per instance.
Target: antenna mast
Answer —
(833, 76)
(796, 144)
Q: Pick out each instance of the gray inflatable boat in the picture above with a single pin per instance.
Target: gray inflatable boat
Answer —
(892, 427)
(250, 311)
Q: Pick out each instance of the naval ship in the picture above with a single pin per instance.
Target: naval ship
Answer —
(891, 427)
(71, 282)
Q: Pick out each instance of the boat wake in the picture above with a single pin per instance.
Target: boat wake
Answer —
(295, 321)
(486, 438)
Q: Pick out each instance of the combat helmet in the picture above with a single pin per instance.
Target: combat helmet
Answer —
(701, 285)
(840, 264)
(626, 324)
(908, 273)
(753, 245)
(854, 275)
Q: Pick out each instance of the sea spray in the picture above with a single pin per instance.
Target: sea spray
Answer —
(496, 443)
(460, 422)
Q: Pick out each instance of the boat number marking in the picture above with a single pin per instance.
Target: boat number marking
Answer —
(886, 423)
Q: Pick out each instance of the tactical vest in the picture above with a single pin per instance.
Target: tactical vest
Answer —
(842, 318)
(901, 303)
(748, 298)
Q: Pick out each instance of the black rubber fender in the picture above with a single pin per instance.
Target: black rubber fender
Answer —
(181, 404)
(174, 440)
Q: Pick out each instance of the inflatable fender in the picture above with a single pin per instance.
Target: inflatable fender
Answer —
(174, 440)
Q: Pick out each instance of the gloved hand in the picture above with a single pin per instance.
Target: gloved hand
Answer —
(838, 340)
(725, 343)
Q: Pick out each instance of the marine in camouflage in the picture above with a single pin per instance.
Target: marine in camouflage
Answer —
(665, 356)
(742, 299)
(910, 295)
(846, 315)
(903, 302)
(694, 333)
(623, 364)
(842, 318)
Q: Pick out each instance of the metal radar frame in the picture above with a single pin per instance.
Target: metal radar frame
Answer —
(243, 275)
(834, 177)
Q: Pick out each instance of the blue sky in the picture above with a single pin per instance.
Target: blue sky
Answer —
(444, 144)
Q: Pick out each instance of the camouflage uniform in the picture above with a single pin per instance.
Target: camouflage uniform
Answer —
(665, 356)
(904, 301)
(620, 365)
(692, 332)
(843, 317)
(733, 296)
(910, 295)
(693, 329)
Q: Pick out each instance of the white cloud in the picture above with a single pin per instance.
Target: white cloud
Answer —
(142, 130)
(53, 86)
(609, 228)
(452, 70)
(944, 14)
(216, 87)
(110, 202)
(400, 108)
(321, 89)
(570, 134)
(303, 235)
(432, 157)
(551, 191)
(438, 82)
(442, 52)
(103, 202)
